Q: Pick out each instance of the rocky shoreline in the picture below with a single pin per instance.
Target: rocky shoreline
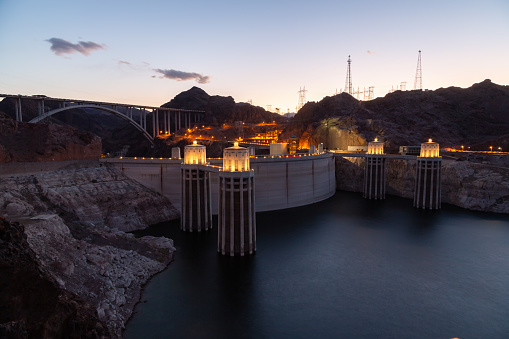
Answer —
(74, 223)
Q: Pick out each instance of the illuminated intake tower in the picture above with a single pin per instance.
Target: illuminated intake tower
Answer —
(427, 192)
(374, 174)
(236, 215)
(196, 206)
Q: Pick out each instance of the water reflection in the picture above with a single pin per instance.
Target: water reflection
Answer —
(346, 267)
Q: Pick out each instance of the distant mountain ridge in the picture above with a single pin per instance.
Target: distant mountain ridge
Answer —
(219, 109)
(476, 117)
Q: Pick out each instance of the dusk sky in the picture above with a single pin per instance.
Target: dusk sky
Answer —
(149, 51)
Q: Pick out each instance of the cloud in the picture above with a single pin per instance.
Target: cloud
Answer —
(61, 46)
(182, 76)
(122, 62)
(371, 52)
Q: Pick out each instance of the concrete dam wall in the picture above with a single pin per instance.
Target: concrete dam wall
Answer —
(280, 182)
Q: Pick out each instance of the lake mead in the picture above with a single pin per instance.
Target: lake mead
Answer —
(345, 267)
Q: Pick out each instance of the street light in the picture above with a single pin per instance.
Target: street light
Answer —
(491, 148)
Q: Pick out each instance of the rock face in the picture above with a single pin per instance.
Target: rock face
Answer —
(92, 196)
(33, 305)
(477, 117)
(21, 142)
(105, 268)
(474, 186)
(74, 221)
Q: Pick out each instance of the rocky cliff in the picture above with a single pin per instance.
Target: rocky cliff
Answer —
(74, 221)
(476, 117)
(475, 186)
(21, 142)
(91, 196)
(33, 305)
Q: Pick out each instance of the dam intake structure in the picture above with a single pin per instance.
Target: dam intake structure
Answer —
(374, 173)
(196, 206)
(236, 218)
(427, 193)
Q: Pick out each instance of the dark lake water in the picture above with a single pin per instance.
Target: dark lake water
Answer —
(342, 268)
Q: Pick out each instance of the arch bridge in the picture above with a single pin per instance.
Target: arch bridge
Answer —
(172, 118)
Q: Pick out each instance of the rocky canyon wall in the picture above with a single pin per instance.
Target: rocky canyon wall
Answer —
(91, 196)
(73, 222)
(474, 186)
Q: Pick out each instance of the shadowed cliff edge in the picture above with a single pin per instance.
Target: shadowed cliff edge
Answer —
(74, 221)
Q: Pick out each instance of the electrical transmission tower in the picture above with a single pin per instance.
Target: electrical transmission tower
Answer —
(402, 86)
(371, 92)
(418, 74)
(348, 83)
(302, 98)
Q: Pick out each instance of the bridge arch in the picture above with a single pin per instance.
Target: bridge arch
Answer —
(106, 109)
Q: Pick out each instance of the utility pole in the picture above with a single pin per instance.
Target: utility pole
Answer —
(418, 74)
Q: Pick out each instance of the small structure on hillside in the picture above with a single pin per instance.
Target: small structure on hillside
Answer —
(427, 194)
(236, 214)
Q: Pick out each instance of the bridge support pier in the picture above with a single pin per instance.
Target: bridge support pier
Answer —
(17, 107)
(374, 177)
